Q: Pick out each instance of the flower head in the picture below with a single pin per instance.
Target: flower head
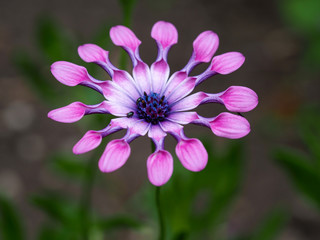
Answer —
(151, 102)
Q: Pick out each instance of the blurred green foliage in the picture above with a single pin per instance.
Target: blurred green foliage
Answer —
(204, 198)
(303, 17)
(127, 9)
(36, 79)
(66, 165)
(11, 227)
(65, 219)
(53, 44)
(304, 168)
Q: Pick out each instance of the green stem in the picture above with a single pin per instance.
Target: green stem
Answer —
(153, 147)
(85, 201)
(162, 229)
(127, 10)
(159, 208)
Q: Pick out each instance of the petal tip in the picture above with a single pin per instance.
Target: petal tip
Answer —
(68, 114)
(160, 167)
(239, 99)
(192, 154)
(92, 53)
(229, 125)
(88, 142)
(124, 37)
(115, 155)
(68, 73)
(165, 33)
(205, 46)
(227, 63)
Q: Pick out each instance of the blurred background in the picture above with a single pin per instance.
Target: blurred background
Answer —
(264, 186)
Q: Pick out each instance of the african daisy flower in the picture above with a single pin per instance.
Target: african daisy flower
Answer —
(150, 102)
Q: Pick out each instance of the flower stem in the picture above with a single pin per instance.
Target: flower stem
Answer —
(85, 200)
(162, 229)
(127, 10)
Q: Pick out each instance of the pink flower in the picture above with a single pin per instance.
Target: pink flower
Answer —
(152, 102)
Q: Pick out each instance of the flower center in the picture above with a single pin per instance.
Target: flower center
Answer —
(152, 107)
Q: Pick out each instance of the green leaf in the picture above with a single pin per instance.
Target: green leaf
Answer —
(53, 41)
(48, 233)
(10, 222)
(302, 172)
(54, 232)
(223, 177)
(312, 53)
(310, 131)
(181, 236)
(117, 222)
(67, 165)
(57, 208)
(204, 197)
(303, 15)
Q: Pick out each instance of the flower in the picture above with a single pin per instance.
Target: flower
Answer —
(150, 102)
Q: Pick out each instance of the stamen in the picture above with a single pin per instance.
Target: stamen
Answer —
(152, 108)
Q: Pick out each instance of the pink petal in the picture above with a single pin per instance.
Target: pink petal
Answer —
(205, 46)
(123, 122)
(171, 127)
(124, 37)
(118, 109)
(239, 99)
(68, 73)
(183, 117)
(189, 102)
(156, 133)
(68, 114)
(92, 53)
(89, 141)
(114, 156)
(227, 63)
(139, 127)
(160, 73)
(174, 81)
(114, 93)
(127, 83)
(160, 167)
(165, 33)
(141, 74)
(182, 90)
(192, 154)
(230, 126)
